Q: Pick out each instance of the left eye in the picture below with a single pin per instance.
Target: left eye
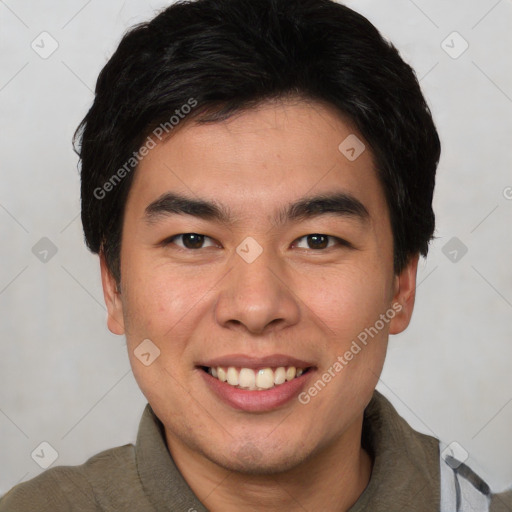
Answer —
(319, 241)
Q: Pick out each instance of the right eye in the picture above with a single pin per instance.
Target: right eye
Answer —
(192, 241)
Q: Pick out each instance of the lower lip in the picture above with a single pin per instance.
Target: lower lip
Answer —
(257, 401)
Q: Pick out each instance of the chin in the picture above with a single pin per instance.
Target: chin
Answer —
(251, 460)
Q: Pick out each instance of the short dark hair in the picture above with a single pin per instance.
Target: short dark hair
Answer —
(231, 55)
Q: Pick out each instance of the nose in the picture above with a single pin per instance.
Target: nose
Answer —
(257, 297)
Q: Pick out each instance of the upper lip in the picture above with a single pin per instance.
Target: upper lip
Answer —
(245, 361)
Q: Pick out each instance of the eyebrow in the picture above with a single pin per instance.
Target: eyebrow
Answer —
(341, 204)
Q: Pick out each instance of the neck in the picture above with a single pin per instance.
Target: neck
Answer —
(332, 479)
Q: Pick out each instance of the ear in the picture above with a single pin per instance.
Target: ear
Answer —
(405, 293)
(112, 295)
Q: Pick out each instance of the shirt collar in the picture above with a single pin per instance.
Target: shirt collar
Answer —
(163, 484)
(405, 465)
(405, 474)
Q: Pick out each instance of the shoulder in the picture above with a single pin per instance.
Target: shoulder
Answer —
(463, 489)
(106, 481)
(501, 502)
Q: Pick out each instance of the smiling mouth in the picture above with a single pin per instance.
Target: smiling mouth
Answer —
(255, 379)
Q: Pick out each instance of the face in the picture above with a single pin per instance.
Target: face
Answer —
(255, 247)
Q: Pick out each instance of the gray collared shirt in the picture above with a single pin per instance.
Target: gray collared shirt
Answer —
(143, 478)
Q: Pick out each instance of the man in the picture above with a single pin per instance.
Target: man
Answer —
(257, 179)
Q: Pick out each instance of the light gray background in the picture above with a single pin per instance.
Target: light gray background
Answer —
(66, 380)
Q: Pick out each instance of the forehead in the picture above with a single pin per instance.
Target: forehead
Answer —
(258, 159)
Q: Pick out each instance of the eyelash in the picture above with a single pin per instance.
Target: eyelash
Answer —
(339, 241)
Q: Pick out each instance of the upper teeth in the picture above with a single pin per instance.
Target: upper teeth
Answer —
(247, 378)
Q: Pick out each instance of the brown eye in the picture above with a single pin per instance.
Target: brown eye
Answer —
(317, 241)
(192, 240)
(189, 240)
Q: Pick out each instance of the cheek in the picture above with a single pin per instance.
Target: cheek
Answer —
(160, 302)
(160, 306)
(347, 299)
